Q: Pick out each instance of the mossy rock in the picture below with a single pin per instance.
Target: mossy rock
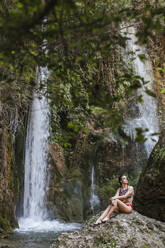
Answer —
(5, 226)
(150, 194)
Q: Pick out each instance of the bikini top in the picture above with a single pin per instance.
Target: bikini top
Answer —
(124, 191)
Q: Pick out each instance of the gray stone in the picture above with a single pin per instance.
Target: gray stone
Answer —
(132, 231)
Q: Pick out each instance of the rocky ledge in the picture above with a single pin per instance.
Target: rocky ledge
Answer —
(132, 231)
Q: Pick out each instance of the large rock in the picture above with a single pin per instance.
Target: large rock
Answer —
(150, 194)
(131, 231)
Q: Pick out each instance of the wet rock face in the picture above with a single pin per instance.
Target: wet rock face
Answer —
(8, 184)
(70, 177)
(132, 230)
(150, 194)
(117, 155)
(65, 199)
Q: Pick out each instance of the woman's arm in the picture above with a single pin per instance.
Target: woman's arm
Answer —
(130, 192)
(116, 195)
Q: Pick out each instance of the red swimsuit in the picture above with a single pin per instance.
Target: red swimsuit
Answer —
(129, 204)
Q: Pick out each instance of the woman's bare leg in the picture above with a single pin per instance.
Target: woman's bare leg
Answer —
(118, 205)
(104, 214)
(112, 209)
(123, 207)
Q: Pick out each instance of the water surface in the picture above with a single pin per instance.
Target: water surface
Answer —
(36, 236)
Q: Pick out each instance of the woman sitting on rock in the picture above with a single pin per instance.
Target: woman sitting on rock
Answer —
(121, 202)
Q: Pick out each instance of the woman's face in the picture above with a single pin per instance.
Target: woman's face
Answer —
(124, 179)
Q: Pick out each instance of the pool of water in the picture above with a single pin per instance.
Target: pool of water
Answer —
(35, 235)
(29, 240)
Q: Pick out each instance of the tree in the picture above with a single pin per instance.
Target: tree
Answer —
(73, 39)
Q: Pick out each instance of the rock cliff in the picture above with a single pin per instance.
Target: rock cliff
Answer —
(150, 195)
(8, 184)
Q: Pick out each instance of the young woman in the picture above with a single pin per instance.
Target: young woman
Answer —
(121, 202)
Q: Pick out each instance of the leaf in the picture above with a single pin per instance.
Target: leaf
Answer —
(162, 91)
(160, 69)
(149, 92)
(140, 139)
(155, 134)
(142, 57)
(140, 99)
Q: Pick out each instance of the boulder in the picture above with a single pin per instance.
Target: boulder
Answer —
(150, 194)
(132, 231)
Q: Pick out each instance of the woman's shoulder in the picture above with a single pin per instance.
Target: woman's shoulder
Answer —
(130, 187)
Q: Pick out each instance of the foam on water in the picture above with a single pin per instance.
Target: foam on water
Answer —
(34, 225)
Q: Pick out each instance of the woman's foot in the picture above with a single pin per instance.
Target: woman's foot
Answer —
(105, 219)
(98, 222)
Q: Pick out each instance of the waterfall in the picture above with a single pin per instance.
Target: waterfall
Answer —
(147, 116)
(36, 155)
(36, 179)
(94, 199)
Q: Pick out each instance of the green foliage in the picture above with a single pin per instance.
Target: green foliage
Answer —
(139, 136)
(66, 125)
(109, 188)
(160, 69)
(142, 57)
(149, 92)
(162, 91)
(159, 152)
(80, 43)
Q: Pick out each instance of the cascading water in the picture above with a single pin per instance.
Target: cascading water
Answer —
(36, 179)
(94, 199)
(36, 156)
(147, 117)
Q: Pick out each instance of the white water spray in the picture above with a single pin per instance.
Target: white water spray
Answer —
(147, 118)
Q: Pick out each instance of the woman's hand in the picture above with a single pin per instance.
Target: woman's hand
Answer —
(113, 198)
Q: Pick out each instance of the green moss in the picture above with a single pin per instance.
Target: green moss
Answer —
(159, 152)
(5, 225)
(145, 246)
(105, 241)
(74, 173)
(155, 174)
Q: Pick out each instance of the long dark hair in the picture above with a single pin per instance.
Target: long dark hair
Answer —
(120, 178)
